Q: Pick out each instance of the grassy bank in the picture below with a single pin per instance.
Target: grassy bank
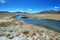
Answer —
(52, 17)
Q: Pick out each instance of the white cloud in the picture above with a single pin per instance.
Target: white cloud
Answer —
(30, 9)
(2, 1)
(21, 10)
(16, 11)
(56, 7)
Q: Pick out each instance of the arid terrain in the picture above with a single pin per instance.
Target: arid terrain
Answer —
(13, 29)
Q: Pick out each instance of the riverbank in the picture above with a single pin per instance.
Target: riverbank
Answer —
(13, 29)
(50, 17)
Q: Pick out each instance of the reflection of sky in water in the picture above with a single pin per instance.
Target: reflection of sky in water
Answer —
(42, 23)
(37, 21)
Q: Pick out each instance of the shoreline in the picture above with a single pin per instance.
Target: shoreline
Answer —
(52, 17)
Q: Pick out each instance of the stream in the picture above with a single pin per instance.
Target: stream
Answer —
(52, 25)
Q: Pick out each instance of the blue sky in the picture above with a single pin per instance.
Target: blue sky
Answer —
(29, 5)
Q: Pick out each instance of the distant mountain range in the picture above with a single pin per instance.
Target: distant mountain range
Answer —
(43, 12)
(2, 12)
(50, 12)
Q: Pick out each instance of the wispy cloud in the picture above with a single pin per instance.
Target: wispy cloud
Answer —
(29, 9)
(21, 11)
(2, 1)
(56, 7)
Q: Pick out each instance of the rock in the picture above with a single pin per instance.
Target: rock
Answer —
(2, 34)
(57, 38)
(10, 36)
(10, 30)
(33, 34)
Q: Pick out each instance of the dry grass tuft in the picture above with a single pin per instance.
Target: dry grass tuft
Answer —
(10, 36)
(4, 24)
(25, 32)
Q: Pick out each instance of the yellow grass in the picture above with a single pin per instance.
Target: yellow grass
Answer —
(44, 16)
(7, 15)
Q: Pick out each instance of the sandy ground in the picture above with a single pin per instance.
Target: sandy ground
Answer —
(13, 29)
